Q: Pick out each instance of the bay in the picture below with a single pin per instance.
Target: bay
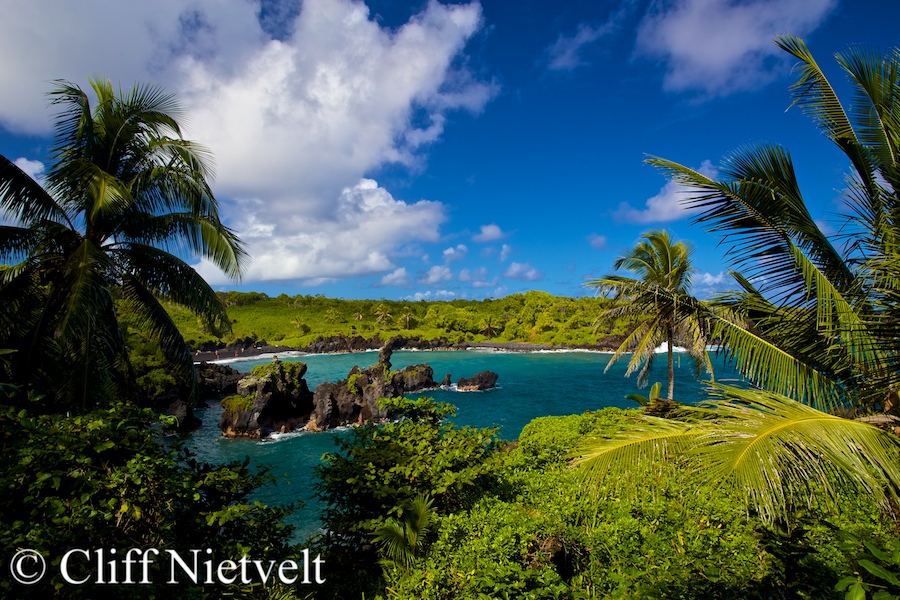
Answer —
(530, 385)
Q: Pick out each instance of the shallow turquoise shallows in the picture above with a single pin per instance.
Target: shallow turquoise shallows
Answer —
(530, 385)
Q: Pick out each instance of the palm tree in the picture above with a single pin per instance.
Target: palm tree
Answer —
(382, 314)
(830, 311)
(658, 302)
(406, 315)
(125, 201)
(814, 325)
(487, 327)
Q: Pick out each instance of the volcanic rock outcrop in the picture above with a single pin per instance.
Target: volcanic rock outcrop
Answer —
(214, 380)
(355, 399)
(276, 398)
(479, 381)
(273, 398)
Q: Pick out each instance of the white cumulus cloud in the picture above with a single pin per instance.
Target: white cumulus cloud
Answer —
(708, 284)
(664, 206)
(360, 239)
(428, 295)
(523, 271)
(710, 279)
(720, 46)
(294, 123)
(34, 168)
(489, 233)
(455, 253)
(437, 274)
(396, 277)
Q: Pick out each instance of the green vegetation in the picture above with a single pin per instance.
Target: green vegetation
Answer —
(658, 303)
(236, 404)
(85, 270)
(533, 317)
(278, 370)
(814, 326)
(351, 383)
(106, 480)
(760, 491)
(123, 190)
(452, 514)
(756, 493)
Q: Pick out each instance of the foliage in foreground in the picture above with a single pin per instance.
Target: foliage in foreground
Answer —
(378, 471)
(773, 452)
(529, 529)
(106, 480)
(814, 323)
(124, 200)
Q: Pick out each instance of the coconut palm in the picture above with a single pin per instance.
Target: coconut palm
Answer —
(831, 310)
(658, 301)
(777, 453)
(125, 201)
(383, 314)
(487, 327)
(407, 316)
(813, 324)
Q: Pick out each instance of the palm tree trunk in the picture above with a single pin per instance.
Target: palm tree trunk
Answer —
(671, 365)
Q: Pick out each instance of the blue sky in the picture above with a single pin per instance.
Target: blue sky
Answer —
(427, 150)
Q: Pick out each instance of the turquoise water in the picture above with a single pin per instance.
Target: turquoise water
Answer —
(530, 385)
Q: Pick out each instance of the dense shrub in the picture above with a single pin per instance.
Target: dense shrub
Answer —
(530, 529)
(106, 480)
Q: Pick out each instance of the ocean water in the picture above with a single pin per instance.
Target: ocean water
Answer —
(530, 385)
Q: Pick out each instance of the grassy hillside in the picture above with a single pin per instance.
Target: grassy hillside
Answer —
(533, 317)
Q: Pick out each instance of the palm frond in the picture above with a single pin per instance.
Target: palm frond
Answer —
(103, 227)
(781, 453)
(837, 318)
(816, 97)
(774, 451)
(875, 106)
(185, 233)
(769, 366)
(643, 450)
(23, 198)
(402, 540)
(392, 538)
(169, 277)
(761, 214)
(154, 321)
(17, 242)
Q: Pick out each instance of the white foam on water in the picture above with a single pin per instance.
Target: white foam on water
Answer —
(664, 347)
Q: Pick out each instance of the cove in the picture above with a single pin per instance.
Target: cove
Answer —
(531, 385)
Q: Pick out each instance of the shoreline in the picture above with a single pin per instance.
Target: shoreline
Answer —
(225, 356)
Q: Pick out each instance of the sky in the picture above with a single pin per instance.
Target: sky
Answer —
(431, 150)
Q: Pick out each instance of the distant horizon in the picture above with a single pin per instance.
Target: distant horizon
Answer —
(450, 151)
